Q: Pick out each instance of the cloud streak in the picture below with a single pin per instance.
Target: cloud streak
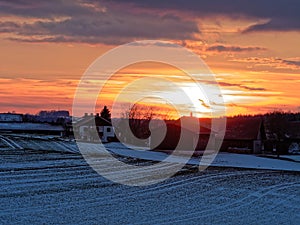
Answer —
(223, 48)
(273, 62)
(225, 84)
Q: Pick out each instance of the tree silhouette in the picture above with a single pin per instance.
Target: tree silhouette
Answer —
(105, 113)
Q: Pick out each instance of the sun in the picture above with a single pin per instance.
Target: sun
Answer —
(200, 105)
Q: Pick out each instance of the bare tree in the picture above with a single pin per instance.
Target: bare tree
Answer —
(139, 117)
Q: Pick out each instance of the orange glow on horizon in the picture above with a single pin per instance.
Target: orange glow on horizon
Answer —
(44, 76)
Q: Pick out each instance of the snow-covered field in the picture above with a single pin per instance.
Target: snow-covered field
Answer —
(39, 187)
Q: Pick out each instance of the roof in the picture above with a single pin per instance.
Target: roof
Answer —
(189, 125)
(91, 120)
(237, 128)
(294, 129)
(243, 128)
(204, 124)
(13, 114)
(29, 127)
(200, 130)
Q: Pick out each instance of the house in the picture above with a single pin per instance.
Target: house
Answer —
(11, 117)
(31, 128)
(294, 131)
(285, 140)
(196, 138)
(134, 131)
(244, 135)
(83, 127)
(52, 116)
(293, 137)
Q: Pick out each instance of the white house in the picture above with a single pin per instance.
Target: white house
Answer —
(84, 128)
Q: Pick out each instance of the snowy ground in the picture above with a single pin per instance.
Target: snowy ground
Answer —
(221, 160)
(59, 188)
(42, 143)
(49, 143)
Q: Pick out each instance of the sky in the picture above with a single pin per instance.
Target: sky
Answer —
(252, 48)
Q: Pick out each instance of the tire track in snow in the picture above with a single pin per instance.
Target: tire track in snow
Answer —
(137, 194)
(245, 201)
(10, 143)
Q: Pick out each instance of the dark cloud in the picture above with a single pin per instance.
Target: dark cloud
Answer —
(44, 9)
(283, 15)
(234, 8)
(291, 62)
(7, 27)
(79, 22)
(275, 25)
(222, 48)
(116, 22)
(101, 30)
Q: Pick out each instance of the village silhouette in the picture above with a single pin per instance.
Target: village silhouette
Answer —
(276, 133)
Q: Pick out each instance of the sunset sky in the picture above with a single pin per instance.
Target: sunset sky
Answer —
(252, 47)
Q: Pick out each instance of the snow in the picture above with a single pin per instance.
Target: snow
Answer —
(57, 188)
(30, 126)
(295, 158)
(45, 187)
(221, 160)
(40, 143)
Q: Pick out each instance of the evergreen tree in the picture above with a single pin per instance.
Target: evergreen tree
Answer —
(105, 113)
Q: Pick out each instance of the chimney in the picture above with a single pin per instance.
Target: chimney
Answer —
(85, 114)
(97, 115)
(191, 114)
(92, 114)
